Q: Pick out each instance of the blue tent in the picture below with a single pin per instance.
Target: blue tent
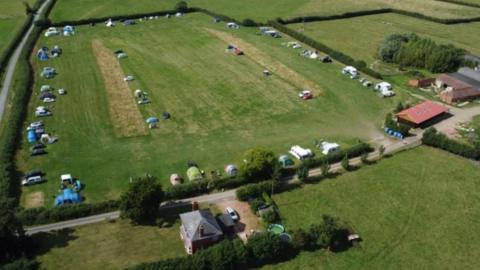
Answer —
(69, 196)
(42, 54)
(152, 120)
(68, 30)
(32, 136)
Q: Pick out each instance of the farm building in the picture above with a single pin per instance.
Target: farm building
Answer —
(418, 83)
(422, 114)
(459, 86)
(199, 230)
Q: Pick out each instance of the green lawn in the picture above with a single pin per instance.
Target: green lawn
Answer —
(221, 105)
(12, 17)
(107, 246)
(360, 37)
(415, 210)
(254, 9)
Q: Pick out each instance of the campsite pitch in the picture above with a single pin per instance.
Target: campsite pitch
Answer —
(220, 104)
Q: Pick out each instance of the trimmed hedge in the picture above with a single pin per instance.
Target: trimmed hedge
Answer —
(433, 138)
(186, 190)
(37, 216)
(252, 191)
(337, 156)
(339, 56)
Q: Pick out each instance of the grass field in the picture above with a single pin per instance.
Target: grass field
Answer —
(360, 37)
(107, 246)
(221, 104)
(12, 17)
(416, 210)
(257, 10)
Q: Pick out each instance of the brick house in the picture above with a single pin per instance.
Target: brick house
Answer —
(199, 230)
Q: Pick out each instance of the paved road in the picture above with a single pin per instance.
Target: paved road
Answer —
(10, 69)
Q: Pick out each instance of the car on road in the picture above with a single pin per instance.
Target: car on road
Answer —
(32, 180)
(233, 214)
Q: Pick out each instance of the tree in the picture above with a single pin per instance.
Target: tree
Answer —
(345, 163)
(11, 231)
(267, 247)
(302, 172)
(322, 234)
(181, 6)
(325, 168)
(301, 240)
(258, 164)
(141, 201)
(249, 22)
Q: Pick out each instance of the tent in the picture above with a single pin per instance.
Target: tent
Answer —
(285, 161)
(31, 136)
(42, 54)
(109, 23)
(68, 30)
(152, 120)
(166, 115)
(194, 173)
(56, 51)
(231, 170)
(46, 88)
(48, 72)
(175, 179)
(68, 196)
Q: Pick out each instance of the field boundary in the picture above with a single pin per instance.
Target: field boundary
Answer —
(461, 3)
(124, 113)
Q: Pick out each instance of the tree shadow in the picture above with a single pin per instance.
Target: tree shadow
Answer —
(41, 243)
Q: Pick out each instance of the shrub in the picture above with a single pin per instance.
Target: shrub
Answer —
(267, 247)
(433, 138)
(141, 201)
(249, 23)
(252, 191)
(186, 190)
(255, 204)
(258, 164)
(271, 217)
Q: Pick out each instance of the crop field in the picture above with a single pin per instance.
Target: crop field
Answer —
(360, 37)
(415, 210)
(221, 104)
(12, 17)
(257, 10)
(107, 246)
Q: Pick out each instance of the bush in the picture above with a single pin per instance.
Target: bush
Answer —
(271, 217)
(258, 164)
(249, 23)
(181, 6)
(186, 190)
(267, 248)
(142, 200)
(255, 204)
(252, 191)
(433, 138)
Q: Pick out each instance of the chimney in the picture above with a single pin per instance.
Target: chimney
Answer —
(201, 230)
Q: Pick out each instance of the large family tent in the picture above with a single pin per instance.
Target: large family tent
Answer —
(285, 161)
(68, 196)
(231, 170)
(32, 136)
(175, 179)
(42, 54)
(194, 173)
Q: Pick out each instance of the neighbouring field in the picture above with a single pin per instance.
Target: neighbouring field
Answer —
(257, 10)
(12, 17)
(221, 104)
(107, 246)
(415, 210)
(360, 37)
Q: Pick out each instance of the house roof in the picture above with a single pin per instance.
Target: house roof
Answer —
(193, 222)
(226, 220)
(422, 112)
(472, 74)
(452, 81)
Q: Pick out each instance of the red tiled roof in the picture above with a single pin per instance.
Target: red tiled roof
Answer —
(422, 112)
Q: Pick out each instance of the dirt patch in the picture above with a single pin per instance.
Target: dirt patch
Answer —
(124, 113)
(34, 200)
(248, 221)
(264, 60)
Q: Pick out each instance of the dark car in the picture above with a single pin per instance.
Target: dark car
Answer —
(38, 146)
(38, 152)
(33, 173)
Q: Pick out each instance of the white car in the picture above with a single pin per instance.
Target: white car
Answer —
(32, 180)
(48, 100)
(52, 31)
(129, 78)
(233, 214)
(35, 125)
(387, 93)
(42, 113)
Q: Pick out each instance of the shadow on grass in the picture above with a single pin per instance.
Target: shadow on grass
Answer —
(41, 243)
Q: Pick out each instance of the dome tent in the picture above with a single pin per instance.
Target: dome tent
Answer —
(68, 30)
(42, 54)
(231, 170)
(32, 136)
(68, 196)
(285, 161)
(175, 179)
(194, 173)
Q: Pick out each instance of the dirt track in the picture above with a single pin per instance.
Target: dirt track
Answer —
(268, 62)
(124, 113)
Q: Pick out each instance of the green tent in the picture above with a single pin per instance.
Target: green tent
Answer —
(285, 161)
(194, 173)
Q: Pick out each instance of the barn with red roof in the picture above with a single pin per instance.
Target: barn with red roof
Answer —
(422, 114)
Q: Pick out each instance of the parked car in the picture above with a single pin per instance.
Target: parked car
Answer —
(52, 31)
(232, 213)
(42, 113)
(32, 180)
(38, 152)
(48, 100)
(305, 95)
(38, 146)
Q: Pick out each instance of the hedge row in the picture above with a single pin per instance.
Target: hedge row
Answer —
(256, 190)
(379, 11)
(433, 138)
(43, 215)
(7, 53)
(337, 156)
(463, 3)
(339, 56)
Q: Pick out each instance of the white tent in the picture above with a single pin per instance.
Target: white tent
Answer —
(232, 25)
(328, 147)
(350, 70)
(110, 23)
(383, 86)
(300, 153)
